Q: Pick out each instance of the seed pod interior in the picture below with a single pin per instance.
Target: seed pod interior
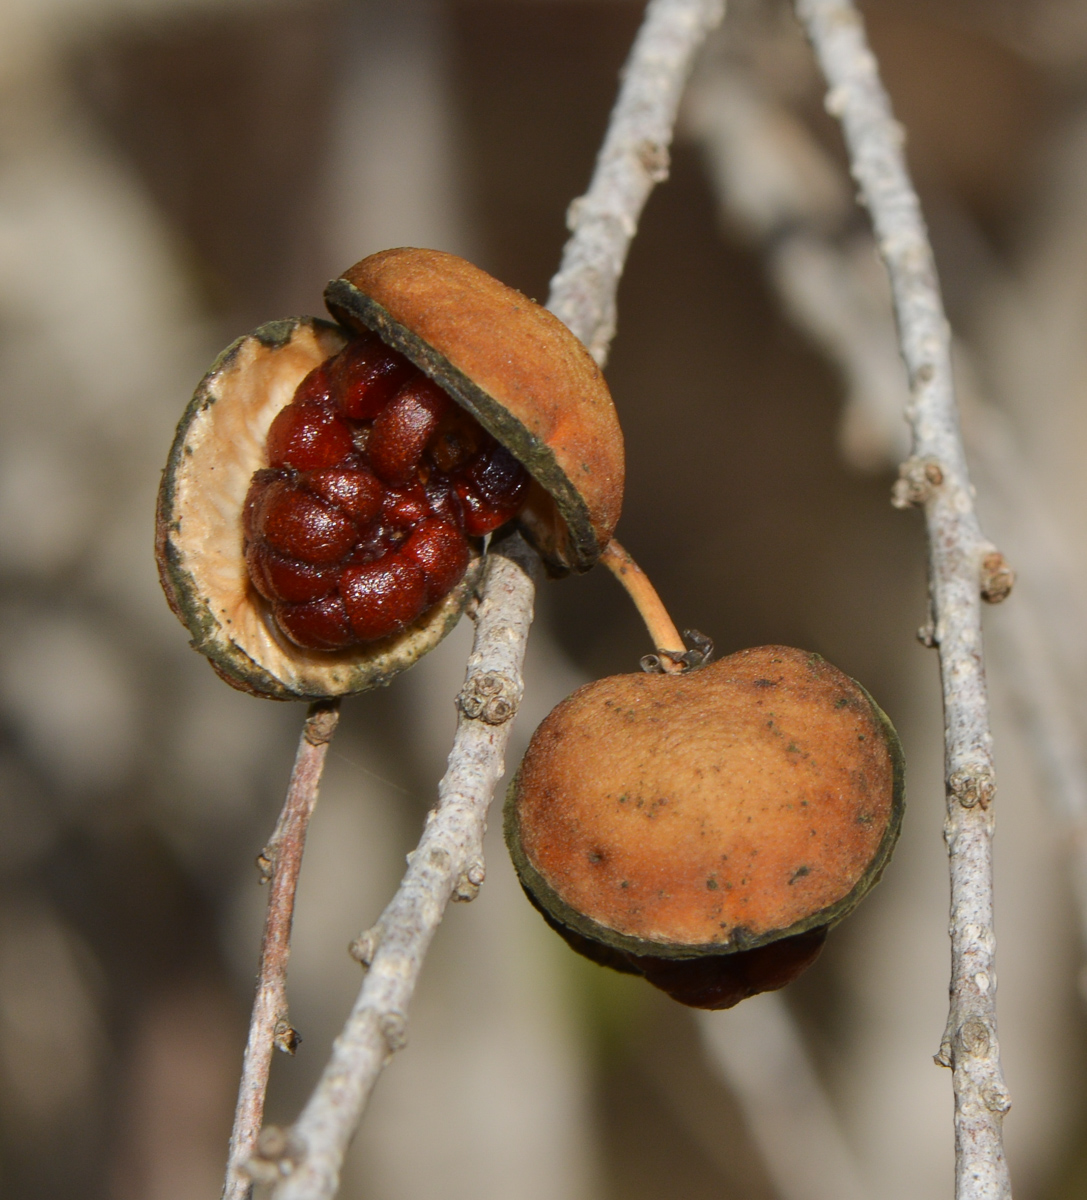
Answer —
(221, 441)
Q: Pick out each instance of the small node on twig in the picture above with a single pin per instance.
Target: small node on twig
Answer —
(394, 1029)
(259, 1170)
(491, 697)
(364, 947)
(285, 1038)
(321, 723)
(917, 479)
(575, 210)
(272, 1142)
(973, 788)
(276, 1154)
(926, 634)
(468, 885)
(265, 861)
(655, 160)
(974, 1037)
(997, 578)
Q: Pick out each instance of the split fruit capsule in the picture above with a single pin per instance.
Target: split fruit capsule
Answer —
(321, 516)
(705, 830)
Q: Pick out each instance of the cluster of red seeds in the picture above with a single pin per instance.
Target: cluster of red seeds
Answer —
(375, 481)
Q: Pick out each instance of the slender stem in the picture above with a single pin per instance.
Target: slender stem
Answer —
(280, 863)
(962, 566)
(662, 632)
(632, 160)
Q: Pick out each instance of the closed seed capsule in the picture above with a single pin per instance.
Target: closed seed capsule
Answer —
(705, 829)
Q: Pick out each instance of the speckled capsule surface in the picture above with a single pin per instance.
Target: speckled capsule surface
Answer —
(668, 819)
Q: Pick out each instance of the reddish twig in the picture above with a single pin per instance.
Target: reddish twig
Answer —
(280, 862)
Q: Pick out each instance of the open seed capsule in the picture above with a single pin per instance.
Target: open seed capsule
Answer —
(319, 515)
(706, 829)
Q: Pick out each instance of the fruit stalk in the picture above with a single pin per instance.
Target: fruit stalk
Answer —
(662, 631)
(632, 160)
(961, 560)
(279, 864)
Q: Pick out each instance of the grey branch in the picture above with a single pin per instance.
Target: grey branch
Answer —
(962, 565)
(306, 1162)
(633, 158)
(778, 187)
(280, 863)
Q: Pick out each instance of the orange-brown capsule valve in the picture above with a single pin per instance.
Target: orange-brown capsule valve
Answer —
(510, 366)
(518, 370)
(706, 829)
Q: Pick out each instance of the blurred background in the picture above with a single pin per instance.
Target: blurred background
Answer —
(175, 172)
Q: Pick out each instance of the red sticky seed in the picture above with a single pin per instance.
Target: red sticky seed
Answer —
(384, 596)
(319, 625)
(403, 428)
(297, 524)
(376, 480)
(404, 507)
(366, 374)
(440, 551)
(308, 437)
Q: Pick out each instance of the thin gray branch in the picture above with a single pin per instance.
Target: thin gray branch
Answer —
(962, 564)
(633, 158)
(280, 863)
(305, 1163)
(771, 179)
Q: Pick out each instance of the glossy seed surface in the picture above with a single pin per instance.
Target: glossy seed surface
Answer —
(375, 481)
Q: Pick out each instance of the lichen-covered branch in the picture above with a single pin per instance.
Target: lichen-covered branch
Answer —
(280, 863)
(305, 1163)
(962, 566)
